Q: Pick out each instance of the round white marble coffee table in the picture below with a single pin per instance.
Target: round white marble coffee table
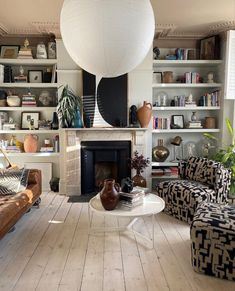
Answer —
(152, 205)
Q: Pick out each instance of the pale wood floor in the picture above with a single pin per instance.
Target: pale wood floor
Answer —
(51, 250)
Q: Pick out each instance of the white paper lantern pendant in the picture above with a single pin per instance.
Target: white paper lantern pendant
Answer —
(107, 38)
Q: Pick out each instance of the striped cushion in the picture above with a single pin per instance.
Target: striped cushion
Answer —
(13, 181)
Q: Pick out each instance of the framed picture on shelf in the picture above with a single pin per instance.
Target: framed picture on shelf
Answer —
(29, 120)
(9, 51)
(210, 48)
(35, 76)
(157, 77)
(177, 121)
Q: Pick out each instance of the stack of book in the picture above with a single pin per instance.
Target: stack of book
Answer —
(195, 124)
(13, 149)
(47, 150)
(29, 100)
(25, 53)
(190, 104)
(20, 79)
(131, 200)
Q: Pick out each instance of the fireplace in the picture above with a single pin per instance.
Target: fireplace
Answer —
(102, 160)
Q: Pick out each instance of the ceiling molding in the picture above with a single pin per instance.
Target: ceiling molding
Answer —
(168, 31)
(221, 27)
(162, 30)
(3, 30)
(47, 28)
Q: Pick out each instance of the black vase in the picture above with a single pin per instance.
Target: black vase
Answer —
(55, 121)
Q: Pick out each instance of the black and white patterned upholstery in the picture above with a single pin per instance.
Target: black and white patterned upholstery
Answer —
(201, 180)
(213, 240)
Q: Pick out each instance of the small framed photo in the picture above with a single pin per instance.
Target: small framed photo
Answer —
(177, 121)
(9, 51)
(30, 120)
(35, 76)
(210, 48)
(157, 77)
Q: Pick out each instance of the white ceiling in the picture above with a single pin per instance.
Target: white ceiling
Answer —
(174, 18)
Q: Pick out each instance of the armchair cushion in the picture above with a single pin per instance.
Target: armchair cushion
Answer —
(182, 197)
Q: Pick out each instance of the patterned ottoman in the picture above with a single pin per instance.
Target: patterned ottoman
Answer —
(213, 240)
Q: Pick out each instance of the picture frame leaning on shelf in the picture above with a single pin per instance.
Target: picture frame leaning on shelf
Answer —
(9, 51)
(29, 120)
(177, 121)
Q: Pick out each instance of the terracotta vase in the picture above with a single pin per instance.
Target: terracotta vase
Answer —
(139, 180)
(144, 114)
(31, 143)
(109, 195)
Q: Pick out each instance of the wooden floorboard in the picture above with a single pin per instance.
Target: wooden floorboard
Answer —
(51, 249)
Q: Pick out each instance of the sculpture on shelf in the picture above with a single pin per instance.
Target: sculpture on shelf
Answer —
(25, 52)
(133, 116)
(177, 143)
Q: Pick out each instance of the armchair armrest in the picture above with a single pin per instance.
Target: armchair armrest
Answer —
(182, 168)
(222, 184)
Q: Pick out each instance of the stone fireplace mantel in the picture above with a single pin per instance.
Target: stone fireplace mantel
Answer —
(70, 182)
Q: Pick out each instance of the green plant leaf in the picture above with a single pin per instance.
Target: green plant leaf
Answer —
(230, 128)
(210, 136)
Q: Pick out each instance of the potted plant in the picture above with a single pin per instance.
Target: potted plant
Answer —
(226, 155)
(69, 109)
(139, 163)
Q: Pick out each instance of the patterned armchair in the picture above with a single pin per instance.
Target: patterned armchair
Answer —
(201, 180)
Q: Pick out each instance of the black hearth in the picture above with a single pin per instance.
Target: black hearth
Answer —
(102, 160)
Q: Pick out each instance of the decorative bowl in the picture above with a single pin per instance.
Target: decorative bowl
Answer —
(13, 101)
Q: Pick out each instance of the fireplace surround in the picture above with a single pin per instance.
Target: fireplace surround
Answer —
(73, 140)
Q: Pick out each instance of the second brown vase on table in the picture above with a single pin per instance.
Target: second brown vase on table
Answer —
(139, 180)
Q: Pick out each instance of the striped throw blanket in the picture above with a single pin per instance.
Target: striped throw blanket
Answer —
(13, 181)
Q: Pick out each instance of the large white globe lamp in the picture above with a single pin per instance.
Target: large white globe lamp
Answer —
(107, 38)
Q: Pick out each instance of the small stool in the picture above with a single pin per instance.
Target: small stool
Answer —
(213, 240)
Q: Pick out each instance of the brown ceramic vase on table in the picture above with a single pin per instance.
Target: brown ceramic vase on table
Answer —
(144, 114)
(139, 180)
(109, 195)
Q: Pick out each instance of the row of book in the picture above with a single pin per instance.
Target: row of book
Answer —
(210, 99)
(191, 77)
(167, 171)
(161, 123)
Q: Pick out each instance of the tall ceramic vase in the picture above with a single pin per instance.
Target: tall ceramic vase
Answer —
(144, 114)
(109, 195)
(31, 143)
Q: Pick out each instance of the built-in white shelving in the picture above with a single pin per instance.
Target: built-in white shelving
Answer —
(29, 62)
(172, 91)
(187, 63)
(191, 108)
(29, 85)
(164, 164)
(26, 131)
(28, 108)
(186, 130)
(45, 155)
(186, 85)
(165, 177)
